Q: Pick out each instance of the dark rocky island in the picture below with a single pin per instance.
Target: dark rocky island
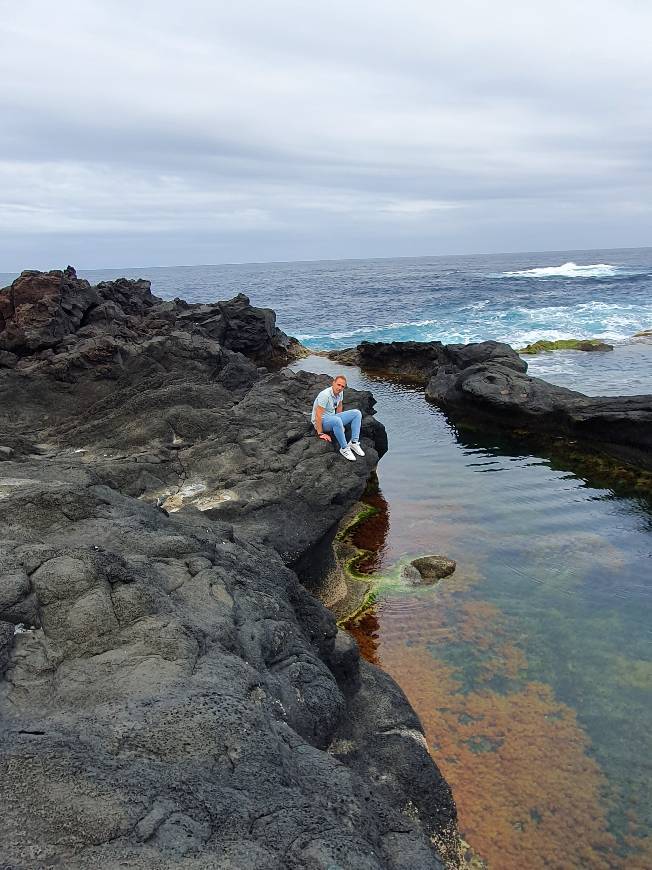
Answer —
(170, 693)
(487, 383)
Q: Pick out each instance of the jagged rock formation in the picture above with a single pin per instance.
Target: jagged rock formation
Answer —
(178, 698)
(57, 321)
(488, 382)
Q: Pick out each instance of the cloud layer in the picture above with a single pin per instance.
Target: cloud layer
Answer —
(161, 133)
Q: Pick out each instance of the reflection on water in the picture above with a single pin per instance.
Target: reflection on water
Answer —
(531, 667)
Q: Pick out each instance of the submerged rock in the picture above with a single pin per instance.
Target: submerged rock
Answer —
(427, 569)
(431, 568)
(181, 699)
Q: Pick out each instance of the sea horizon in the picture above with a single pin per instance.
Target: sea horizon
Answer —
(283, 262)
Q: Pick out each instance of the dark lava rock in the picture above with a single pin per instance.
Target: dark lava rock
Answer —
(461, 356)
(181, 700)
(487, 382)
(620, 426)
(57, 322)
(412, 360)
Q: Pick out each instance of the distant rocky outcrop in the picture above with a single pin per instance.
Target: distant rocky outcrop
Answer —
(57, 322)
(590, 345)
(487, 382)
(175, 697)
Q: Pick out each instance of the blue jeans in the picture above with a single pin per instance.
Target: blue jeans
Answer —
(335, 423)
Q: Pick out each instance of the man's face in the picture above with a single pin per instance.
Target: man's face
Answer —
(338, 385)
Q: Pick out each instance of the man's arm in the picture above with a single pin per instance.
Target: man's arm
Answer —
(319, 413)
(339, 408)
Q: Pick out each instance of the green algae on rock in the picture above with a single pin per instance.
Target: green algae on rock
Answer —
(588, 344)
(357, 588)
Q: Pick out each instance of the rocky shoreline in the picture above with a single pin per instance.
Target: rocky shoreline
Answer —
(170, 693)
(487, 383)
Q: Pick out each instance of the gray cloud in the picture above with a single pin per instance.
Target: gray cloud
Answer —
(160, 133)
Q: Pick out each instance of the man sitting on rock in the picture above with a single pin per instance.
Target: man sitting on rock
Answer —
(328, 416)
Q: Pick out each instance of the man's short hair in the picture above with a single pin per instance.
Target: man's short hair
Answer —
(340, 378)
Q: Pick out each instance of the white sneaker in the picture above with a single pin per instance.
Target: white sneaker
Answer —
(355, 447)
(346, 453)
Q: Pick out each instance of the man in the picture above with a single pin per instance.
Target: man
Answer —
(328, 416)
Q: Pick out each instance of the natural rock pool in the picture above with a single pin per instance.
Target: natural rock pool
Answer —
(531, 666)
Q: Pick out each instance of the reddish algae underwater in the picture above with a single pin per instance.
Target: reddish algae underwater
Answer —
(529, 795)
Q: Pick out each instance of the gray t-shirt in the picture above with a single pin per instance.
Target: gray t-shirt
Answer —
(328, 401)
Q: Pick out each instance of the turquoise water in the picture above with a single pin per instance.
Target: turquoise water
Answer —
(553, 588)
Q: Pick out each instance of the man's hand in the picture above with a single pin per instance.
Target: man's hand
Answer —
(325, 437)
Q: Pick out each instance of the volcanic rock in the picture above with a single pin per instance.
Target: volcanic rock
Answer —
(620, 426)
(487, 382)
(180, 699)
(411, 360)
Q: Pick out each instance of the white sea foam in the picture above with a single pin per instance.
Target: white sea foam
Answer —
(566, 270)
(518, 325)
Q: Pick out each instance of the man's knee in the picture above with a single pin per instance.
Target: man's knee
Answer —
(358, 413)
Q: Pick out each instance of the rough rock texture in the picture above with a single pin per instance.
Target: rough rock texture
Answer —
(180, 700)
(413, 360)
(57, 321)
(488, 382)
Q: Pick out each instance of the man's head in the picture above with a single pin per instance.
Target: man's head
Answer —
(339, 382)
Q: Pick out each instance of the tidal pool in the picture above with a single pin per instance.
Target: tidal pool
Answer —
(530, 667)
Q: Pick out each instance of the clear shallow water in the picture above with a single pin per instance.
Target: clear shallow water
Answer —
(531, 667)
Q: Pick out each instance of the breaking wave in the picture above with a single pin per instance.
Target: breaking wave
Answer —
(517, 325)
(566, 270)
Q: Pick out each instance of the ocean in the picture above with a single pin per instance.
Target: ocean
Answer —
(516, 298)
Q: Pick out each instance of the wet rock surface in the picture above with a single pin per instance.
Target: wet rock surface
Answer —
(488, 383)
(179, 699)
(428, 569)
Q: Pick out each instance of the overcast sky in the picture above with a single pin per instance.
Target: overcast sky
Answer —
(161, 133)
